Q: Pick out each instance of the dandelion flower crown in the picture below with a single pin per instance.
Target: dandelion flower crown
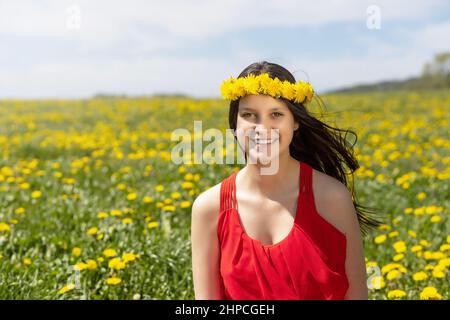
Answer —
(235, 88)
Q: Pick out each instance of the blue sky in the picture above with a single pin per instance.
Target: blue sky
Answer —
(75, 49)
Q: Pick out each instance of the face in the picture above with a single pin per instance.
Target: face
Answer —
(265, 126)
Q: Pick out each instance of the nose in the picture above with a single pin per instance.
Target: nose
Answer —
(261, 131)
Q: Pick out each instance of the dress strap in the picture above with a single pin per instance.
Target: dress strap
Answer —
(228, 193)
(305, 177)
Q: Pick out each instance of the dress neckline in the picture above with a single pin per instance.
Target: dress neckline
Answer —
(302, 179)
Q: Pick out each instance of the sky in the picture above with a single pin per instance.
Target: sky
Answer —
(77, 49)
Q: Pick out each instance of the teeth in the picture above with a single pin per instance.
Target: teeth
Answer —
(260, 141)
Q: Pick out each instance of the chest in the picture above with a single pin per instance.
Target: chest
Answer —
(271, 220)
(267, 220)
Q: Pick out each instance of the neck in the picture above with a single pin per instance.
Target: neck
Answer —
(279, 182)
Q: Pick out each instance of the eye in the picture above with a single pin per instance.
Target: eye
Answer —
(245, 115)
(277, 114)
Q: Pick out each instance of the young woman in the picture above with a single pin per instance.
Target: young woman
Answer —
(290, 234)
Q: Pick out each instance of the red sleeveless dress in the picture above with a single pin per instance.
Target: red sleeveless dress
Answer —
(309, 263)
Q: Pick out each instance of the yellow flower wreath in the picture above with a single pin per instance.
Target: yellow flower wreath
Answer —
(235, 88)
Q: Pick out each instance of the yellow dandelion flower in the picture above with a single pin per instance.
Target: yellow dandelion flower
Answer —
(91, 264)
(148, 199)
(431, 209)
(444, 262)
(80, 266)
(393, 274)
(159, 188)
(116, 263)
(113, 281)
(396, 294)
(438, 273)
(420, 276)
(380, 239)
(19, 210)
(264, 82)
(299, 92)
(400, 246)
(412, 233)
(169, 208)
(377, 282)
(128, 256)
(187, 185)
(175, 195)
(152, 224)
(419, 211)
(421, 195)
(102, 215)
(36, 194)
(4, 227)
(433, 255)
(116, 212)
(393, 234)
(92, 231)
(127, 221)
(76, 252)
(226, 89)
(384, 227)
(109, 253)
(274, 88)
(398, 257)
(430, 293)
(66, 288)
(132, 196)
(408, 210)
(435, 219)
(287, 90)
(121, 186)
(251, 85)
(424, 243)
(185, 204)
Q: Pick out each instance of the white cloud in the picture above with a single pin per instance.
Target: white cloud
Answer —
(134, 27)
(193, 19)
(433, 38)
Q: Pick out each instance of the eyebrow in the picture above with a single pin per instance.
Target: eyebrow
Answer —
(251, 109)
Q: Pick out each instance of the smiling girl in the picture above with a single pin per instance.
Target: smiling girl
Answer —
(294, 231)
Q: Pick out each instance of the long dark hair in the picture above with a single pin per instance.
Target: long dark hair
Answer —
(315, 143)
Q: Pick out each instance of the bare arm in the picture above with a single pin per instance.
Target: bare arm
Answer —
(205, 247)
(355, 266)
(337, 207)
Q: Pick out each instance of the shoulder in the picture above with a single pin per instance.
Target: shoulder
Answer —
(207, 204)
(329, 187)
(334, 201)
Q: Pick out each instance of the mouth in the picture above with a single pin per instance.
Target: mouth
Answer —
(264, 141)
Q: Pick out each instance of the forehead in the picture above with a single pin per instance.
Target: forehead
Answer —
(260, 102)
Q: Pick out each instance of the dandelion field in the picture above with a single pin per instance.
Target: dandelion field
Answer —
(92, 207)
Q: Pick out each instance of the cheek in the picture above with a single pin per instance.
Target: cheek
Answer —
(286, 137)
